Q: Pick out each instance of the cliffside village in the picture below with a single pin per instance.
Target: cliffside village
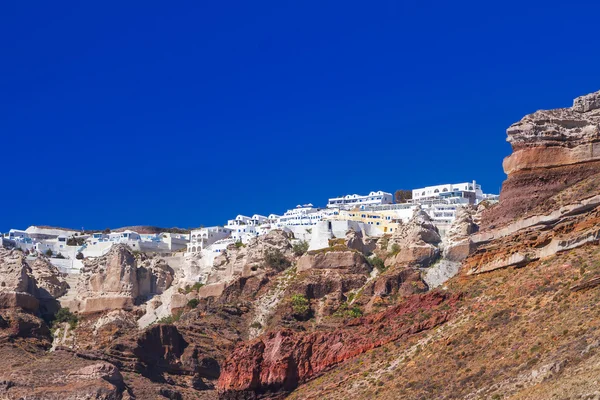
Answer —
(374, 215)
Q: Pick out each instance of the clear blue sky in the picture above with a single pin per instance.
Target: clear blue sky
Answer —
(188, 113)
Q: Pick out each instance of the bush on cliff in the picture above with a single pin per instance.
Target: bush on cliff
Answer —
(65, 315)
(275, 259)
(377, 263)
(300, 307)
(300, 248)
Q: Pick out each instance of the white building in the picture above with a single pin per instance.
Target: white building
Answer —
(100, 243)
(204, 237)
(447, 190)
(244, 228)
(355, 200)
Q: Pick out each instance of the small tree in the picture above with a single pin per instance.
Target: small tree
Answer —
(106, 231)
(48, 253)
(300, 306)
(79, 256)
(300, 248)
(275, 259)
(377, 263)
(65, 315)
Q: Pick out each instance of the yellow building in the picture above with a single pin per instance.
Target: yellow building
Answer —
(386, 220)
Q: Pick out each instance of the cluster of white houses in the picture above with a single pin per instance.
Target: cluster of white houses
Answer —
(374, 214)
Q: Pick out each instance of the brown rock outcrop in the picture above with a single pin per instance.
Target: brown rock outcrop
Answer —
(249, 260)
(415, 243)
(550, 201)
(49, 280)
(457, 244)
(356, 240)
(15, 274)
(18, 288)
(350, 261)
(330, 272)
(115, 281)
(552, 151)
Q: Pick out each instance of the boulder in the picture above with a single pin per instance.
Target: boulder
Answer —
(357, 241)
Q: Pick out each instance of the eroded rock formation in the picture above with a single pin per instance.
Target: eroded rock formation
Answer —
(115, 281)
(553, 151)
(550, 200)
(415, 243)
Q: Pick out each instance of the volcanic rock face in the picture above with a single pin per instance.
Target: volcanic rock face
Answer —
(350, 261)
(356, 240)
(550, 201)
(115, 281)
(281, 360)
(249, 260)
(50, 282)
(15, 274)
(552, 151)
(17, 285)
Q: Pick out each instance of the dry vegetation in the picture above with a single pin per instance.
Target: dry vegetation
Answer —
(520, 333)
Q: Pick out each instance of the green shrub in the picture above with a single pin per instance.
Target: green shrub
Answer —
(239, 244)
(170, 319)
(256, 325)
(79, 256)
(275, 259)
(193, 303)
(395, 249)
(346, 311)
(75, 241)
(188, 289)
(48, 253)
(300, 248)
(65, 315)
(355, 312)
(300, 306)
(377, 263)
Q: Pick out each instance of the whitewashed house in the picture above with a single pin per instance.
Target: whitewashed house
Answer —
(355, 200)
(471, 190)
(204, 237)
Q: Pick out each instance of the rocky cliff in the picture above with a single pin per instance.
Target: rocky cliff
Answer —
(549, 201)
(553, 151)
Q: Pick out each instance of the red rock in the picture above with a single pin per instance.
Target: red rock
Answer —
(280, 360)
